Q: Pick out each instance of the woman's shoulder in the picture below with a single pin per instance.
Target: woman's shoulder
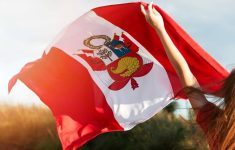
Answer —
(206, 116)
(207, 112)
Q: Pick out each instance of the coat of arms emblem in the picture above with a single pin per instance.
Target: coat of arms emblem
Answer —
(118, 56)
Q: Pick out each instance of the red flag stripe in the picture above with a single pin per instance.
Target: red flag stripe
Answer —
(59, 81)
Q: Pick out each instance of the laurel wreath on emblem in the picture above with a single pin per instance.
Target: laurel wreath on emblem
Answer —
(88, 43)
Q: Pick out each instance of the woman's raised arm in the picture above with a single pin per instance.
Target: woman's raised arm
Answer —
(180, 65)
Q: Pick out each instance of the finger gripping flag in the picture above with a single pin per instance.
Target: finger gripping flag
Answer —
(108, 71)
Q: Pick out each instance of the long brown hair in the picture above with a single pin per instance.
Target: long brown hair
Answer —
(221, 130)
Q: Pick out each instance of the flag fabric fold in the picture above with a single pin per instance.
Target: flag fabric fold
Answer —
(108, 71)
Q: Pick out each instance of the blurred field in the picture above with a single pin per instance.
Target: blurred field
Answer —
(164, 131)
(33, 128)
(27, 128)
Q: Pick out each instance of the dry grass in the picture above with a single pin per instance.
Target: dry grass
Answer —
(27, 128)
(33, 128)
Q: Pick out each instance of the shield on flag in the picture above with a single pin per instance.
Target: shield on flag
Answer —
(117, 56)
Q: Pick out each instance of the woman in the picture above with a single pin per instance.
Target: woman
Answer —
(217, 123)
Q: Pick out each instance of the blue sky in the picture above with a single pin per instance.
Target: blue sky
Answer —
(27, 27)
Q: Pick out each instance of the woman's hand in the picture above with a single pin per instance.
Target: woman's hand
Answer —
(153, 17)
(180, 65)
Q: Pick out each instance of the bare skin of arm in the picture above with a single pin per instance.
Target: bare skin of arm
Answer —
(180, 65)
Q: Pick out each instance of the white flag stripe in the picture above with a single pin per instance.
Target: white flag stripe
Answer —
(129, 106)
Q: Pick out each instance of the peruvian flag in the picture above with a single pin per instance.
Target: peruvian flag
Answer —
(108, 71)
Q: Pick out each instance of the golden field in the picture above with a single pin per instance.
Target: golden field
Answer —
(27, 128)
(33, 128)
